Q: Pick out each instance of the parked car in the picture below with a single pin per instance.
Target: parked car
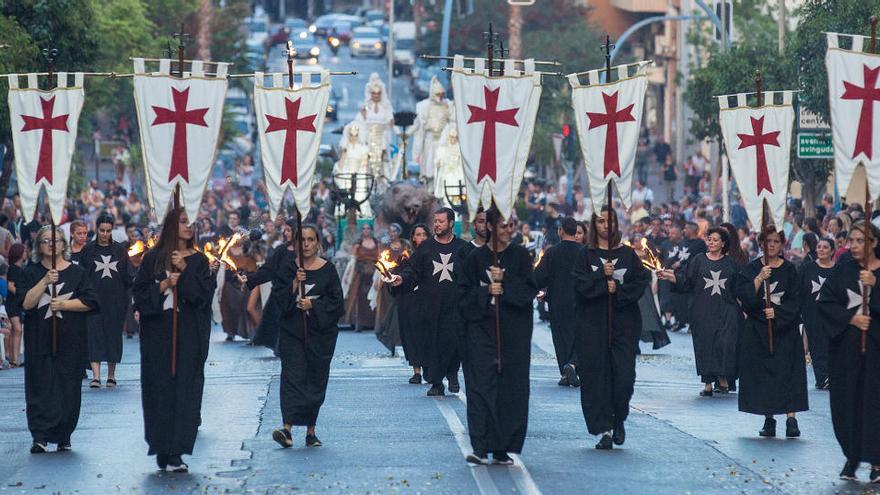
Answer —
(366, 41)
(306, 46)
(404, 45)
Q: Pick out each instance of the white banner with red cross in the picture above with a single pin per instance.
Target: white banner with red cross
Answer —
(758, 145)
(608, 117)
(291, 121)
(495, 117)
(853, 93)
(179, 120)
(44, 125)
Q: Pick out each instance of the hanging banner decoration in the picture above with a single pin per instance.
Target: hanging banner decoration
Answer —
(758, 144)
(608, 117)
(853, 92)
(179, 120)
(495, 117)
(44, 125)
(290, 122)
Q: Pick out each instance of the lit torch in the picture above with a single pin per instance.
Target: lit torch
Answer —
(385, 264)
(539, 258)
(136, 249)
(649, 260)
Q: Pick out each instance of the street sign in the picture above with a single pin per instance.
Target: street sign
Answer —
(814, 146)
(810, 120)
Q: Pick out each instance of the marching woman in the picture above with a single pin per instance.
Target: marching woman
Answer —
(774, 382)
(714, 311)
(387, 319)
(497, 391)
(53, 375)
(607, 352)
(814, 272)
(172, 401)
(308, 337)
(412, 340)
(855, 367)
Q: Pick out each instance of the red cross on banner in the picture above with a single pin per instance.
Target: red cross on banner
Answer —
(869, 94)
(491, 116)
(47, 124)
(291, 125)
(611, 118)
(759, 140)
(180, 117)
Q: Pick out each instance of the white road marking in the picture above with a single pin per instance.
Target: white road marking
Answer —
(480, 473)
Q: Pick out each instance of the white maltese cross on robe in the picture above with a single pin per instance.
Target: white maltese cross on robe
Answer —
(618, 272)
(46, 299)
(107, 266)
(443, 267)
(716, 282)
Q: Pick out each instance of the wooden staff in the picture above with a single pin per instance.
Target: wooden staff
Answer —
(50, 54)
(291, 53)
(607, 47)
(175, 305)
(765, 215)
(490, 56)
(869, 206)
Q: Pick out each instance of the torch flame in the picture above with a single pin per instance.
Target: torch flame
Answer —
(384, 264)
(136, 249)
(649, 260)
(539, 258)
(222, 251)
(151, 242)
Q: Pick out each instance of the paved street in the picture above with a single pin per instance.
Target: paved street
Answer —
(382, 435)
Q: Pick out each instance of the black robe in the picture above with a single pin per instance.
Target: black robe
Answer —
(305, 357)
(411, 337)
(53, 384)
(714, 314)
(554, 274)
(109, 272)
(777, 383)
(432, 269)
(608, 369)
(855, 377)
(671, 302)
(172, 404)
(817, 327)
(270, 321)
(14, 300)
(497, 403)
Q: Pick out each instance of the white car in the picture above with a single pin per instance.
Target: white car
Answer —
(366, 41)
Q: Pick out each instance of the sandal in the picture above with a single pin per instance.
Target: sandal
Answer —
(95, 384)
(111, 383)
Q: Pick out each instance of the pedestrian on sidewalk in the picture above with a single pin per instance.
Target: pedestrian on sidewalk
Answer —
(775, 382)
(172, 400)
(670, 176)
(854, 374)
(308, 337)
(607, 353)
(497, 369)
(55, 359)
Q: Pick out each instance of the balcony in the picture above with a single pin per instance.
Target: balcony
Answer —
(641, 6)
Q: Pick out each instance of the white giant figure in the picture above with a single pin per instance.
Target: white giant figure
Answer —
(353, 159)
(432, 115)
(448, 164)
(377, 119)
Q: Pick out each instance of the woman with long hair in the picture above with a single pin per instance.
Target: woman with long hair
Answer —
(774, 382)
(308, 337)
(387, 321)
(813, 273)
(714, 313)
(15, 281)
(57, 295)
(412, 339)
(173, 373)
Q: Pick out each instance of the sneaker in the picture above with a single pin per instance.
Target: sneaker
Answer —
(416, 379)
(619, 435)
(501, 458)
(39, 447)
(176, 465)
(312, 441)
(64, 447)
(563, 381)
(437, 390)
(478, 458)
(454, 387)
(605, 443)
(791, 428)
(849, 471)
(571, 375)
(769, 429)
(283, 437)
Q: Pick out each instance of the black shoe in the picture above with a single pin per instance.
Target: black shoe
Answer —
(563, 381)
(605, 443)
(230, 338)
(791, 428)
(416, 379)
(437, 390)
(571, 375)
(501, 458)
(176, 465)
(162, 461)
(824, 385)
(478, 458)
(875, 475)
(454, 386)
(769, 429)
(706, 393)
(64, 447)
(849, 471)
(39, 448)
(619, 435)
(283, 437)
(312, 441)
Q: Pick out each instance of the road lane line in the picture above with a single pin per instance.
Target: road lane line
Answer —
(480, 473)
(518, 471)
